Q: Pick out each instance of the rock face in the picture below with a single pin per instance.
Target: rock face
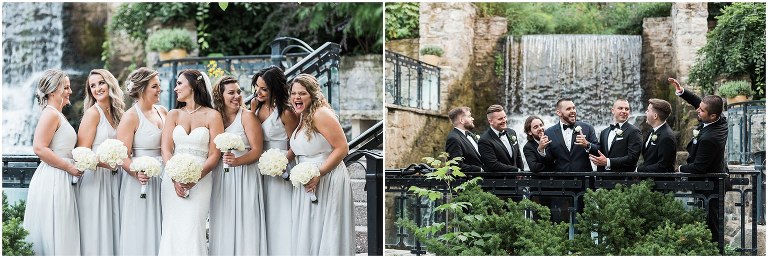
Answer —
(689, 27)
(361, 88)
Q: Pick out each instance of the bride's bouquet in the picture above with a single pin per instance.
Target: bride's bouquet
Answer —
(85, 159)
(227, 142)
(184, 168)
(302, 173)
(112, 152)
(273, 163)
(149, 166)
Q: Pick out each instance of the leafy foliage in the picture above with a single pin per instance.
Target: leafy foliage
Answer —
(735, 47)
(402, 21)
(732, 89)
(575, 18)
(638, 221)
(166, 39)
(13, 232)
(432, 50)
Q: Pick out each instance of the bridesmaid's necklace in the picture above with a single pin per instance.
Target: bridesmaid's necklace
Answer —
(193, 111)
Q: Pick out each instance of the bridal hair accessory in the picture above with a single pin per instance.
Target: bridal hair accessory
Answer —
(199, 77)
(129, 85)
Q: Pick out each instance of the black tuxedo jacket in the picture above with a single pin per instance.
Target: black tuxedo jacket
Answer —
(457, 145)
(577, 159)
(659, 155)
(537, 163)
(625, 149)
(494, 154)
(706, 153)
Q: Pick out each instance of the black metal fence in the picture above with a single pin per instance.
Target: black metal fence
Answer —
(411, 83)
(746, 133)
(403, 204)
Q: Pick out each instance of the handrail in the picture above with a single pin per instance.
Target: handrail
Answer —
(373, 138)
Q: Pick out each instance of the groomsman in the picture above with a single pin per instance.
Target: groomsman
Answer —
(461, 142)
(572, 141)
(535, 150)
(706, 150)
(660, 144)
(620, 143)
(499, 147)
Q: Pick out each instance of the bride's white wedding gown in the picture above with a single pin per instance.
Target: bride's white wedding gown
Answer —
(184, 219)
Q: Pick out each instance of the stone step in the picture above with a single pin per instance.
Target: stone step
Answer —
(361, 239)
(361, 214)
(358, 190)
(357, 169)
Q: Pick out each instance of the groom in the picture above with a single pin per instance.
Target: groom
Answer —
(499, 146)
(572, 141)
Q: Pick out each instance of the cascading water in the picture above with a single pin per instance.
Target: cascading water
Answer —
(32, 42)
(593, 70)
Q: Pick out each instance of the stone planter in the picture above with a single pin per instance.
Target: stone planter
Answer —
(176, 53)
(431, 59)
(737, 99)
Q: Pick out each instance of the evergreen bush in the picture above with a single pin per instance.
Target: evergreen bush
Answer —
(165, 40)
(13, 232)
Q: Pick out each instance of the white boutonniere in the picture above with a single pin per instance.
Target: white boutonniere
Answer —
(695, 136)
(619, 132)
(577, 129)
(477, 137)
(512, 139)
(653, 137)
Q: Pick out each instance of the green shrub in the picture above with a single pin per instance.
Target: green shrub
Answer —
(13, 232)
(165, 40)
(402, 20)
(432, 50)
(732, 89)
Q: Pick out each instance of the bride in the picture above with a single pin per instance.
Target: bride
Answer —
(189, 128)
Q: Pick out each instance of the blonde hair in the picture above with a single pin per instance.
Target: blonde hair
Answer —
(318, 101)
(138, 81)
(117, 105)
(48, 83)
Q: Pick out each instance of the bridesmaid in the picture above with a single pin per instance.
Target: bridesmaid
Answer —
(51, 213)
(98, 191)
(237, 205)
(327, 226)
(140, 130)
(278, 121)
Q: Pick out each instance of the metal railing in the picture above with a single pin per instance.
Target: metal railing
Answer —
(411, 83)
(746, 128)
(571, 185)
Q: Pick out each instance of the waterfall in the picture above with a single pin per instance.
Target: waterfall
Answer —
(32, 42)
(593, 70)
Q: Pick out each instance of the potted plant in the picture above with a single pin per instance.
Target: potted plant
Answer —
(736, 91)
(431, 55)
(171, 43)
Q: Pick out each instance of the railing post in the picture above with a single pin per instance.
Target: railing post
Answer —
(374, 185)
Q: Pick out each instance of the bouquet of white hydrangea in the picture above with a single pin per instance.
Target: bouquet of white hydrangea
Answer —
(227, 142)
(302, 173)
(184, 168)
(85, 159)
(273, 162)
(112, 152)
(149, 166)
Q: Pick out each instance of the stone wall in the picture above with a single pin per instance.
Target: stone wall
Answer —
(361, 89)
(689, 27)
(485, 84)
(406, 47)
(412, 134)
(658, 60)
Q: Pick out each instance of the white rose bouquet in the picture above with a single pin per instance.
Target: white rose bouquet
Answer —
(112, 152)
(227, 142)
(302, 173)
(85, 159)
(149, 166)
(273, 163)
(184, 168)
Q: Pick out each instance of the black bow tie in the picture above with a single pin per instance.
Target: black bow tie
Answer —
(502, 133)
(469, 134)
(701, 126)
(565, 126)
(615, 126)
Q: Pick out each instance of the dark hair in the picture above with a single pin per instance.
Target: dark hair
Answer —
(218, 94)
(527, 125)
(200, 91)
(661, 107)
(714, 105)
(456, 112)
(557, 105)
(277, 85)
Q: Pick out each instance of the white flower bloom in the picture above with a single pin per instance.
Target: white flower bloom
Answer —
(112, 152)
(229, 141)
(302, 173)
(85, 158)
(272, 162)
(149, 165)
(619, 132)
(184, 168)
(577, 129)
(653, 137)
(695, 133)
